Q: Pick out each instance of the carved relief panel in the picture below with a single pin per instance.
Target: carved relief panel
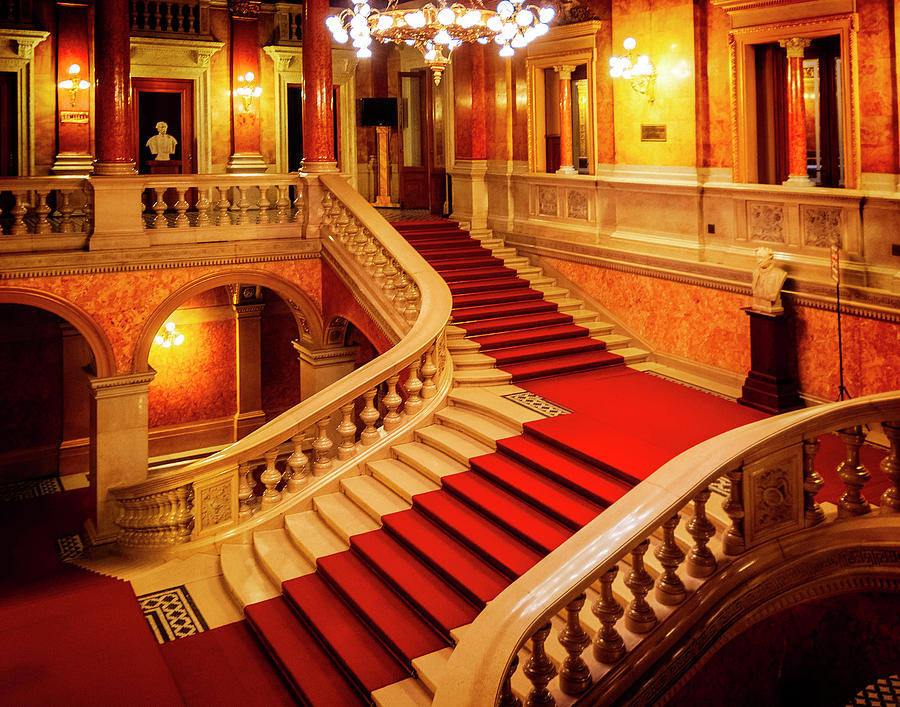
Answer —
(215, 503)
(773, 495)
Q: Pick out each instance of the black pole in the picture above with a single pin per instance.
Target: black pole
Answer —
(842, 391)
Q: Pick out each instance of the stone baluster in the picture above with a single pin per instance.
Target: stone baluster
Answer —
(322, 445)
(812, 484)
(733, 542)
(640, 617)
(700, 561)
(134, 16)
(190, 19)
(158, 17)
(539, 670)
(853, 474)
(400, 283)
(181, 207)
(245, 491)
(281, 204)
(890, 465)
(347, 430)
(297, 206)
(87, 220)
(363, 237)
(42, 211)
(327, 203)
(159, 207)
(379, 260)
(298, 463)
(243, 206)
(429, 370)
(608, 644)
(369, 253)
(270, 478)
(411, 312)
(203, 206)
(223, 218)
(66, 225)
(507, 696)
(369, 416)
(670, 589)
(413, 390)
(168, 17)
(391, 402)
(346, 228)
(389, 271)
(574, 675)
(18, 211)
(263, 205)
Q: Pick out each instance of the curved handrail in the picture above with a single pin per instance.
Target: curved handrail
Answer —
(488, 647)
(415, 341)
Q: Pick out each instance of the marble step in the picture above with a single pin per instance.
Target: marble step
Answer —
(372, 496)
(491, 402)
(401, 478)
(406, 693)
(471, 360)
(614, 341)
(428, 461)
(485, 429)
(244, 576)
(453, 443)
(312, 536)
(343, 516)
(632, 354)
(430, 667)
(481, 377)
(279, 557)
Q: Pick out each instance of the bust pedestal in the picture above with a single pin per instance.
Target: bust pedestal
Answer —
(769, 385)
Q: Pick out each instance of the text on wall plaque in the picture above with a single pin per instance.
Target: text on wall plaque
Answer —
(653, 133)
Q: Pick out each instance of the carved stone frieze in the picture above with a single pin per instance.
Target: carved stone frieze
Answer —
(765, 222)
(577, 205)
(215, 505)
(821, 226)
(570, 12)
(244, 9)
(547, 201)
(773, 496)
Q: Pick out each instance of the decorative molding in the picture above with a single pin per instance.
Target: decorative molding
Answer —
(244, 9)
(821, 226)
(120, 385)
(577, 204)
(547, 201)
(765, 222)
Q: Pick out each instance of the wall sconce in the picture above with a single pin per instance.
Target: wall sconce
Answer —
(169, 336)
(74, 83)
(636, 68)
(247, 90)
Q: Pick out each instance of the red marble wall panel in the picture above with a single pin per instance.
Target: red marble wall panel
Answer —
(45, 109)
(220, 95)
(197, 380)
(339, 302)
(279, 367)
(717, 141)
(871, 353)
(877, 95)
(519, 108)
(245, 57)
(604, 134)
(121, 302)
(462, 106)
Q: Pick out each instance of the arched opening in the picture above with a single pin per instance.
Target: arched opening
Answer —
(224, 366)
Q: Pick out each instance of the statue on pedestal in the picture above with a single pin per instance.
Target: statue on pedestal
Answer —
(768, 280)
(162, 144)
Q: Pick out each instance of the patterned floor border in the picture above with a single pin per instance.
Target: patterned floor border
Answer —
(31, 488)
(885, 692)
(69, 547)
(172, 614)
(537, 403)
(691, 385)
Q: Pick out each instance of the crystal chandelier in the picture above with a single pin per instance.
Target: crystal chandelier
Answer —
(437, 30)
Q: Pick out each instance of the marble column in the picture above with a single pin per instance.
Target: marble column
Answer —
(318, 116)
(112, 52)
(470, 129)
(319, 368)
(248, 327)
(74, 107)
(797, 174)
(565, 119)
(118, 446)
(246, 137)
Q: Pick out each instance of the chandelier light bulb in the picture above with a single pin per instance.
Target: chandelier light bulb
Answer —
(364, 53)
(546, 14)
(446, 16)
(73, 69)
(507, 50)
(542, 29)
(483, 40)
(524, 18)
(630, 43)
(443, 37)
(505, 9)
(518, 41)
(494, 24)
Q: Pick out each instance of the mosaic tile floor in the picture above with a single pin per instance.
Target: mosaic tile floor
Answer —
(883, 693)
(31, 488)
(172, 613)
(539, 404)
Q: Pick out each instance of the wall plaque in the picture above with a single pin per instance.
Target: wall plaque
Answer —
(73, 116)
(653, 133)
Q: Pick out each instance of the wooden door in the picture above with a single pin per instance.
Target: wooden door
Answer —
(9, 124)
(413, 134)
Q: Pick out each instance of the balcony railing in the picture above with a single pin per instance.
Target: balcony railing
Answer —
(768, 470)
(170, 19)
(45, 213)
(333, 431)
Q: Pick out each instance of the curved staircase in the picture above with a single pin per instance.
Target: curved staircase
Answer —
(357, 597)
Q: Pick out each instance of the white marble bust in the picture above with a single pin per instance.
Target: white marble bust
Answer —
(162, 144)
(768, 280)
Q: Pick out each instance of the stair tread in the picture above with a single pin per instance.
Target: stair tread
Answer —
(457, 263)
(516, 322)
(342, 515)
(244, 575)
(428, 461)
(306, 665)
(516, 516)
(372, 496)
(348, 638)
(544, 349)
(503, 309)
(401, 478)
(504, 551)
(481, 376)
(474, 577)
(561, 364)
(567, 505)
(406, 693)
(452, 442)
(312, 535)
(485, 429)
(480, 272)
(279, 556)
(488, 402)
(506, 282)
(432, 595)
(382, 609)
(487, 342)
(499, 294)
(430, 668)
(592, 481)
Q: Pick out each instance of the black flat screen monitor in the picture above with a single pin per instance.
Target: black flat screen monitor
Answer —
(378, 112)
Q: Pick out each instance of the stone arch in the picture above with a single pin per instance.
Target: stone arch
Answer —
(305, 310)
(96, 338)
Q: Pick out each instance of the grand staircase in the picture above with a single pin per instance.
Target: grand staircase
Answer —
(362, 598)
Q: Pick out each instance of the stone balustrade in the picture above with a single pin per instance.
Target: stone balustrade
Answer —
(656, 574)
(334, 431)
(35, 210)
(170, 18)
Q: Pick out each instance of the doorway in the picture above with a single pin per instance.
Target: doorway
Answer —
(9, 124)
(170, 101)
(414, 125)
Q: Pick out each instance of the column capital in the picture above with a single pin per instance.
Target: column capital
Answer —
(126, 384)
(244, 9)
(564, 71)
(795, 46)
